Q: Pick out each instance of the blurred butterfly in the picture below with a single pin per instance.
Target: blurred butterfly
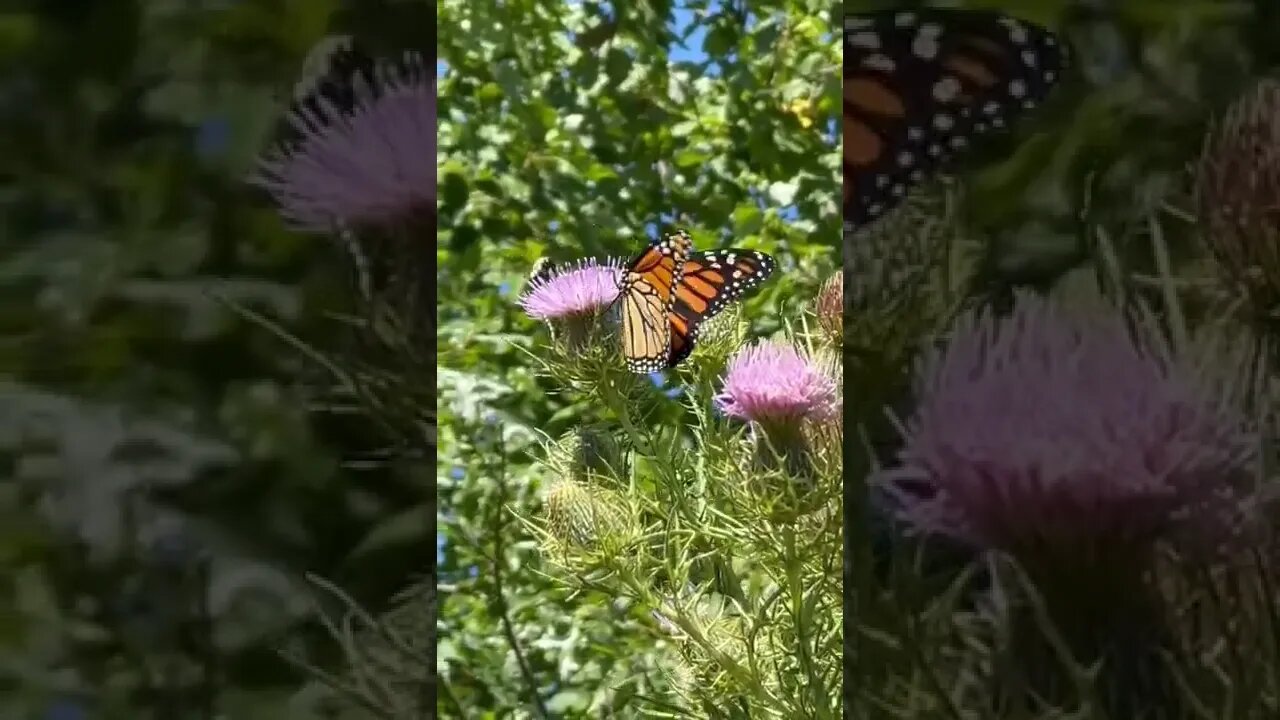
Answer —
(919, 85)
(665, 303)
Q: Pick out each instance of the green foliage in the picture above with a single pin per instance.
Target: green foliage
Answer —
(565, 132)
(165, 485)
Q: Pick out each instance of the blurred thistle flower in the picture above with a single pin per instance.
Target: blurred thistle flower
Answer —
(1064, 430)
(829, 307)
(365, 149)
(1237, 194)
(1078, 446)
(777, 389)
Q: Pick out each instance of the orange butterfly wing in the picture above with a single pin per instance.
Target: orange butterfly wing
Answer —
(711, 280)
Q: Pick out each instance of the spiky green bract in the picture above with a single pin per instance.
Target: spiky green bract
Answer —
(388, 657)
(719, 338)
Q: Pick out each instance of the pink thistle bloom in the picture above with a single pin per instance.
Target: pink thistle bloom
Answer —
(576, 291)
(372, 162)
(1064, 430)
(772, 383)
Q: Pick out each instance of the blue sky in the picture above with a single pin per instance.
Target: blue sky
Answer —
(692, 48)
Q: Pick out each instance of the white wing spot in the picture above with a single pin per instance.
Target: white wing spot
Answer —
(879, 62)
(925, 48)
(865, 40)
(1017, 88)
(946, 89)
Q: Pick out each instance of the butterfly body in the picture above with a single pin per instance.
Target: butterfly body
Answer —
(919, 85)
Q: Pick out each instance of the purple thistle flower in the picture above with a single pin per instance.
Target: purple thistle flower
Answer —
(772, 382)
(1062, 431)
(372, 162)
(575, 291)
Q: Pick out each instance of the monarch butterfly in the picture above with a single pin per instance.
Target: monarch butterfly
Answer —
(710, 282)
(648, 293)
(918, 85)
(669, 291)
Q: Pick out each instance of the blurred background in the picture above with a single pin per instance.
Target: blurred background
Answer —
(168, 469)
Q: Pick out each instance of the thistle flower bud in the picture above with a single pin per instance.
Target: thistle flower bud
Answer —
(1237, 191)
(889, 267)
(583, 517)
(588, 453)
(718, 338)
(829, 307)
